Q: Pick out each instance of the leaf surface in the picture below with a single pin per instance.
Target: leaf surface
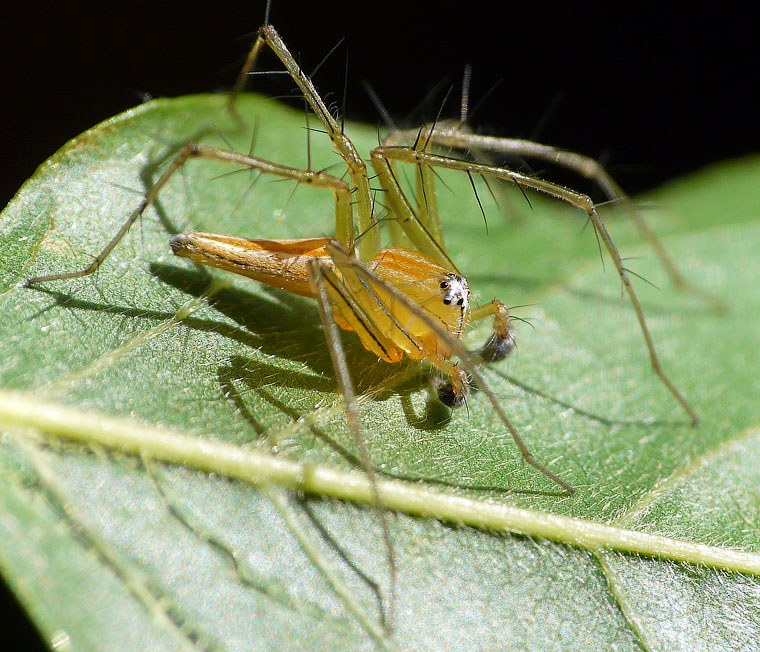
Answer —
(108, 552)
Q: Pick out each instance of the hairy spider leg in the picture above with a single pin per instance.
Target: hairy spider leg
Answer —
(343, 214)
(369, 244)
(456, 135)
(381, 157)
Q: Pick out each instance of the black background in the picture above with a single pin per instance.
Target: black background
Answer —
(655, 92)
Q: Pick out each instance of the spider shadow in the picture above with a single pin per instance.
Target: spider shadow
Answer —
(157, 164)
(267, 319)
(287, 327)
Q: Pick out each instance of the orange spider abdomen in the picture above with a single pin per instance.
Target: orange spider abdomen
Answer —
(384, 325)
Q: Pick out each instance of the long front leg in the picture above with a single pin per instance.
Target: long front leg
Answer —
(343, 215)
(369, 244)
(381, 157)
(322, 278)
(458, 137)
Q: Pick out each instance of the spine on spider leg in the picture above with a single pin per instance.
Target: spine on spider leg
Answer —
(280, 263)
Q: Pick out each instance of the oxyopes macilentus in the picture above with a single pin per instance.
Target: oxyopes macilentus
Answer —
(400, 301)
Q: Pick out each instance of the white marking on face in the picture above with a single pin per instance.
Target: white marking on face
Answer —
(456, 291)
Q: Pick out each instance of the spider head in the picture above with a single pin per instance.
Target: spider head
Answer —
(455, 291)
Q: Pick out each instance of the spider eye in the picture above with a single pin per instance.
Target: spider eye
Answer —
(461, 301)
(444, 285)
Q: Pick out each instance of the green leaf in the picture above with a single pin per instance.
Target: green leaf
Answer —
(111, 552)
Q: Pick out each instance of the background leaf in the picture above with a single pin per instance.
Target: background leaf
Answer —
(106, 555)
